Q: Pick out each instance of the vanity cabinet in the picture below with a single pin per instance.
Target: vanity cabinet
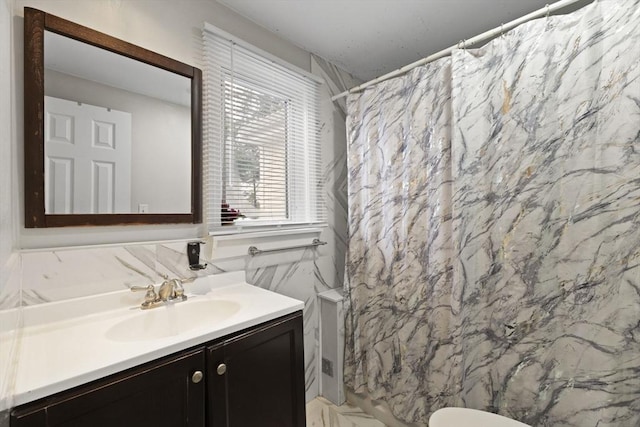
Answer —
(159, 394)
(257, 377)
(252, 378)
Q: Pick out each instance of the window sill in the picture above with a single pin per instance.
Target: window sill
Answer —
(236, 242)
(261, 230)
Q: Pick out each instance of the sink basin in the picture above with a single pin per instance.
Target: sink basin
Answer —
(172, 319)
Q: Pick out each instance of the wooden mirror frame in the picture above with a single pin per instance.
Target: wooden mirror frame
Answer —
(35, 23)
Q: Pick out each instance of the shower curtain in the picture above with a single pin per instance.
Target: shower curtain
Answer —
(494, 202)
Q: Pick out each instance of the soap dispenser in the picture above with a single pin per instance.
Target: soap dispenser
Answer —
(193, 254)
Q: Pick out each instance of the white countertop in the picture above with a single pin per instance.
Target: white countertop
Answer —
(69, 343)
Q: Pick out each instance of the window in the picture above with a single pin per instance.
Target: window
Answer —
(262, 130)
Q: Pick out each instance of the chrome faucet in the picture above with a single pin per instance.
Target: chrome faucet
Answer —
(169, 291)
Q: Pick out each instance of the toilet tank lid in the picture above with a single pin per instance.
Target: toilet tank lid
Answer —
(466, 417)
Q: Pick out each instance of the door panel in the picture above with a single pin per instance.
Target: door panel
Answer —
(103, 191)
(60, 176)
(97, 140)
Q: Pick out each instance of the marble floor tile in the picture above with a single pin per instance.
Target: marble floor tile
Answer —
(322, 413)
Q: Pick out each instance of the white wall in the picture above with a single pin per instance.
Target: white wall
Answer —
(6, 140)
(7, 171)
(169, 27)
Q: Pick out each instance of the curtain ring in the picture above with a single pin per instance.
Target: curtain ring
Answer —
(502, 30)
(464, 44)
(460, 44)
(547, 6)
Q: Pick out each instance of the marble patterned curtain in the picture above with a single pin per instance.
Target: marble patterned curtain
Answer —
(494, 199)
(399, 268)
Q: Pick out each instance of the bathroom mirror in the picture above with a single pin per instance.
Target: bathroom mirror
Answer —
(112, 130)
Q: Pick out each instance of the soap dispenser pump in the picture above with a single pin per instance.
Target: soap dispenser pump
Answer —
(193, 254)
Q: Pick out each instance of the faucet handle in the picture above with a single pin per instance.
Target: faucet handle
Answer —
(178, 290)
(150, 295)
(141, 288)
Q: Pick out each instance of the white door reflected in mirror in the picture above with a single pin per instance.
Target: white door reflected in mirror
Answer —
(87, 158)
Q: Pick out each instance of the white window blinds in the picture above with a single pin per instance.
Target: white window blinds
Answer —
(263, 163)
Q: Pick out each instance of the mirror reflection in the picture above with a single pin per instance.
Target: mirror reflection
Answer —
(117, 133)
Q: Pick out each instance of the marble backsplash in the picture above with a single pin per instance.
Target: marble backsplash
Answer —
(40, 277)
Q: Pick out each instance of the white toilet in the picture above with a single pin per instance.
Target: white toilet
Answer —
(465, 417)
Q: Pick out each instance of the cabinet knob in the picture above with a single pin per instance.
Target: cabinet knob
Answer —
(196, 377)
(222, 368)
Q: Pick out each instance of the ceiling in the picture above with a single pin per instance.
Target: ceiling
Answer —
(369, 38)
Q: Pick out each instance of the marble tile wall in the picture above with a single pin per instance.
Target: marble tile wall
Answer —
(9, 333)
(43, 276)
(69, 273)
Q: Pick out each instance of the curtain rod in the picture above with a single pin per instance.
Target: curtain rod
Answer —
(545, 11)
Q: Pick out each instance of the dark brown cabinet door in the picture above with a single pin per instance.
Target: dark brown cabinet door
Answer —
(257, 377)
(158, 394)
